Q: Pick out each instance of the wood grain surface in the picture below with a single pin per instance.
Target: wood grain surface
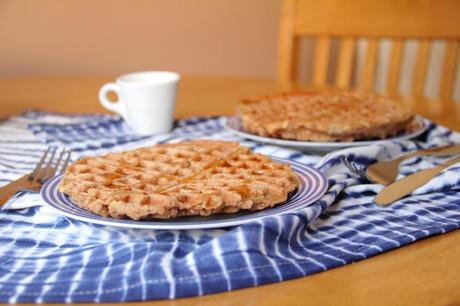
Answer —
(423, 273)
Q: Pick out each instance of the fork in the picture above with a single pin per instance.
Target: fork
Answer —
(34, 180)
(385, 172)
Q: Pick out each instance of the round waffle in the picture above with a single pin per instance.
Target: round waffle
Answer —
(170, 180)
(325, 117)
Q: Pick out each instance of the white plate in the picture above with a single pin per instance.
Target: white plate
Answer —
(234, 124)
(312, 187)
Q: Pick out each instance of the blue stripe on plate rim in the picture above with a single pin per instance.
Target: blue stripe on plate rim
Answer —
(313, 185)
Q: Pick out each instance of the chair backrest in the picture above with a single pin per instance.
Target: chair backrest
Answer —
(348, 21)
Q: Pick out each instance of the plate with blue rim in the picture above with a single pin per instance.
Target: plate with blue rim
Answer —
(235, 125)
(313, 185)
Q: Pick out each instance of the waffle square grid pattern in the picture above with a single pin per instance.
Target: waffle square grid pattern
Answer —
(51, 258)
(169, 180)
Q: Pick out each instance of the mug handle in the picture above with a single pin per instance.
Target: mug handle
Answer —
(112, 106)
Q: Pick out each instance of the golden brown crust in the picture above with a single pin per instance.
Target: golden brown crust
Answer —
(324, 117)
(171, 180)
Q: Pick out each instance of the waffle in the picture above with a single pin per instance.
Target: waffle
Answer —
(326, 117)
(171, 180)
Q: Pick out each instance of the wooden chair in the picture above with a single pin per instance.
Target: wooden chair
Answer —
(398, 20)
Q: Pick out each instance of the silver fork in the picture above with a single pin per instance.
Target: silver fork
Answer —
(44, 170)
(355, 168)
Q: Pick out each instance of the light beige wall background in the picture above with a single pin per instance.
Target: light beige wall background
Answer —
(210, 37)
(205, 37)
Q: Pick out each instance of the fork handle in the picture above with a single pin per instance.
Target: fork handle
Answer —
(11, 189)
(451, 149)
(7, 192)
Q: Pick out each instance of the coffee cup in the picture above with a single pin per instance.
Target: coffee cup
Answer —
(146, 100)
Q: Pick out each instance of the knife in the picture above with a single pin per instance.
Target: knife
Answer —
(406, 185)
(385, 172)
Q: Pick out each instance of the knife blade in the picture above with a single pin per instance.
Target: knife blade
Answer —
(404, 186)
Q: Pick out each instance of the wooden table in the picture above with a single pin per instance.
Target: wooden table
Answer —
(424, 273)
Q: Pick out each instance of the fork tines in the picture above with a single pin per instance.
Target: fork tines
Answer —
(355, 168)
(48, 167)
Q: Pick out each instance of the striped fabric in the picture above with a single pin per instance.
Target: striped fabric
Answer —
(49, 258)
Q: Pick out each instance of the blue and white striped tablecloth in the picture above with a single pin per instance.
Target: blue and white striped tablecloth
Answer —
(45, 257)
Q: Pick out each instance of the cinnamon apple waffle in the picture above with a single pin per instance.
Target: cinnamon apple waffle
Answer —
(170, 180)
(326, 117)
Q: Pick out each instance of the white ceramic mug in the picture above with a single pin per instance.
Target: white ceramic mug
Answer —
(146, 100)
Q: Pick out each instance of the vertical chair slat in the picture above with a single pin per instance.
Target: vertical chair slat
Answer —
(419, 77)
(394, 69)
(345, 64)
(321, 61)
(370, 63)
(448, 77)
(287, 60)
(421, 67)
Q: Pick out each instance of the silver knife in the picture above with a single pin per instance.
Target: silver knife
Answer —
(406, 185)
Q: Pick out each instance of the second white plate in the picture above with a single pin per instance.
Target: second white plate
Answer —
(234, 124)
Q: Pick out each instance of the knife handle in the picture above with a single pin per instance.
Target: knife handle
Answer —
(450, 149)
(449, 163)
